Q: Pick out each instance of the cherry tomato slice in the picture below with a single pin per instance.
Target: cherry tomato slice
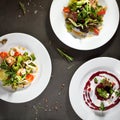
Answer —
(29, 77)
(96, 31)
(66, 10)
(101, 12)
(3, 55)
(17, 54)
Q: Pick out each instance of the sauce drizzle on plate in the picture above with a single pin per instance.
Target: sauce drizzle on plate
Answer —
(102, 87)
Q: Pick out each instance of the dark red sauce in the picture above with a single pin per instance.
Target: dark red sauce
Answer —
(87, 90)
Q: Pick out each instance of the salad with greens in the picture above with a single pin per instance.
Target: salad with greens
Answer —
(17, 67)
(83, 17)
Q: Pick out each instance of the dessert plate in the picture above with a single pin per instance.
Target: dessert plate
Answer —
(78, 83)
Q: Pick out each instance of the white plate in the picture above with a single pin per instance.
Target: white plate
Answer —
(78, 82)
(43, 61)
(110, 24)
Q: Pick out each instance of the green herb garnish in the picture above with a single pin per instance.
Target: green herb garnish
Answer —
(102, 81)
(33, 57)
(117, 93)
(111, 91)
(95, 80)
(32, 64)
(67, 57)
(102, 107)
(22, 6)
(103, 93)
(4, 65)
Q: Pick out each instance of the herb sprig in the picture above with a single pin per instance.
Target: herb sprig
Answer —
(22, 6)
(102, 107)
(66, 56)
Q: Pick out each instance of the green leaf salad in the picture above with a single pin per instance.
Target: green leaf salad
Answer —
(83, 17)
(17, 67)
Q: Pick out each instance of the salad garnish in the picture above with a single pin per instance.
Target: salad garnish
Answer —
(17, 68)
(83, 17)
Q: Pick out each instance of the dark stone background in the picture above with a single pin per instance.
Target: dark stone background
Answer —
(53, 103)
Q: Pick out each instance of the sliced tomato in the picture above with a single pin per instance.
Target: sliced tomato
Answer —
(66, 10)
(29, 77)
(102, 12)
(3, 55)
(96, 31)
(17, 53)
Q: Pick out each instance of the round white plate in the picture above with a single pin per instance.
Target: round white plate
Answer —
(42, 60)
(78, 82)
(110, 24)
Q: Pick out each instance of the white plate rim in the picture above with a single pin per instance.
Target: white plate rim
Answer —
(58, 26)
(74, 84)
(36, 88)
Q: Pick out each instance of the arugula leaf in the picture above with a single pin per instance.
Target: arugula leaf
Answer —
(25, 53)
(4, 65)
(32, 64)
(33, 57)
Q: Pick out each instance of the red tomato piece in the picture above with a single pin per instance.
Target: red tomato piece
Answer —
(17, 53)
(101, 12)
(66, 10)
(3, 55)
(29, 77)
(96, 31)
